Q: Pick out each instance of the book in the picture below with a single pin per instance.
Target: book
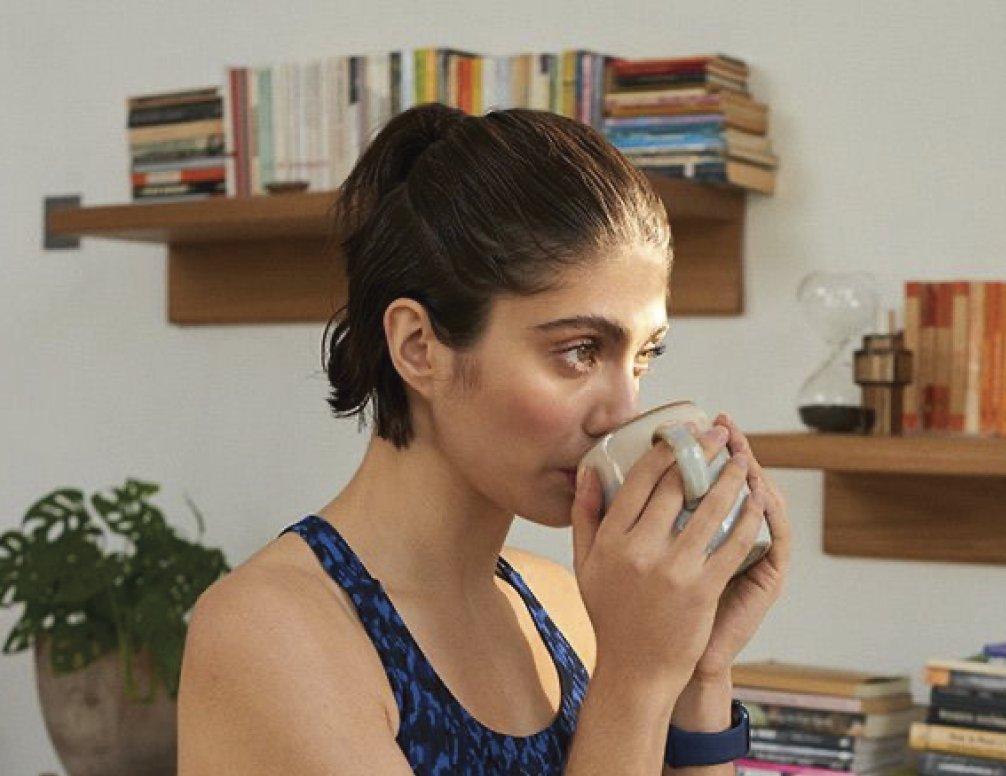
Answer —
(976, 673)
(824, 702)
(177, 150)
(947, 764)
(172, 98)
(910, 418)
(177, 189)
(834, 722)
(960, 295)
(942, 359)
(891, 755)
(988, 414)
(946, 738)
(927, 355)
(796, 677)
(174, 114)
(723, 64)
(211, 173)
(965, 698)
(976, 336)
(732, 171)
(747, 766)
(824, 741)
(977, 719)
(747, 115)
(999, 363)
(181, 131)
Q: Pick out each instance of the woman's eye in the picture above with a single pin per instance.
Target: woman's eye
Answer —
(583, 355)
(580, 353)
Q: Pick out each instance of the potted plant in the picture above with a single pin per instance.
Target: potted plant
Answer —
(107, 622)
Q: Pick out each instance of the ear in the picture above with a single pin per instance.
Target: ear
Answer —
(417, 354)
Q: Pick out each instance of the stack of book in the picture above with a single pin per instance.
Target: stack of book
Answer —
(310, 120)
(965, 730)
(176, 145)
(823, 721)
(690, 117)
(956, 331)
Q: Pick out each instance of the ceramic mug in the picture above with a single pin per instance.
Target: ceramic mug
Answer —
(617, 451)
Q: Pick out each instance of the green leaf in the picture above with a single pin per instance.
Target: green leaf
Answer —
(12, 547)
(89, 601)
(64, 572)
(61, 509)
(20, 636)
(76, 644)
(128, 514)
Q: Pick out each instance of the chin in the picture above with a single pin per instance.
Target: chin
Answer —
(551, 511)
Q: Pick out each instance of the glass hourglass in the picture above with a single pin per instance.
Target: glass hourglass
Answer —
(838, 306)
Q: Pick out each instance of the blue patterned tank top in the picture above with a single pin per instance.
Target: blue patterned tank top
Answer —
(436, 733)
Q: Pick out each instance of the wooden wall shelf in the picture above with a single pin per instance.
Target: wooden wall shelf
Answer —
(262, 259)
(924, 497)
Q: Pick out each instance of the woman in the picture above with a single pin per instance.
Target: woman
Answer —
(392, 632)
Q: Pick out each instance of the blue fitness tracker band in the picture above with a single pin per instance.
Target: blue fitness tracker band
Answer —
(686, 749)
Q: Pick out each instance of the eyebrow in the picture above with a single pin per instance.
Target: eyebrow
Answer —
(612, 329)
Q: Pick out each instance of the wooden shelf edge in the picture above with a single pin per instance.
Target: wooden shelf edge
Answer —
(218, 219)
(220, 248)
(908, 455)
(924, 497)
(229, 219)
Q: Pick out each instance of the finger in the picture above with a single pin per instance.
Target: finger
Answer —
(778, 522)
(738, 443)
(637, 487)
(715, 506)
(727, 558)
(585, 516)
(666, 501)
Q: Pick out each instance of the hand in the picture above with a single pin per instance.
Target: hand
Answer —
(748, 597)
(652, 596)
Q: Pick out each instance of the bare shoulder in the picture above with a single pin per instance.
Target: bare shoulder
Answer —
(554, 585)
(276, 676)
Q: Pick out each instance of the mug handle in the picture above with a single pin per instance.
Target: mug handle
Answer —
(690, 459)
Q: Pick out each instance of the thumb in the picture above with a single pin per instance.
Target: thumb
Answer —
(585, 516)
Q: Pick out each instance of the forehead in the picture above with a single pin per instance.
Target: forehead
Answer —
(630, 288)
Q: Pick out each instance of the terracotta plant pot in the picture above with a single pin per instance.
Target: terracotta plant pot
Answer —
(96, 729)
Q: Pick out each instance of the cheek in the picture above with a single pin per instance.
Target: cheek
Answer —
(538, 406)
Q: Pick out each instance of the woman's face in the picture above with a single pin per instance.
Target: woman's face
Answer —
(547, 390)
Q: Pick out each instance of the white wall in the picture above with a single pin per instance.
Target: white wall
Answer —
(887, 117)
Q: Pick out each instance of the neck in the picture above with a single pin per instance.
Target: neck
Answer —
(417, 525)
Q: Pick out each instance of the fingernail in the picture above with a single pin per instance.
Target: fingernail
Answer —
(717, 434)
(580, 478)
(741, 460)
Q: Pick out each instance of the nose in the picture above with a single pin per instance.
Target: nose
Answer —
(619, 403)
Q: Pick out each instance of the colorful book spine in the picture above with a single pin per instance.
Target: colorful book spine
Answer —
(927, 355)
(911, 418)
(976, 336)
(941, 378)
(988, 419)
(959, 355)
(1000, 361)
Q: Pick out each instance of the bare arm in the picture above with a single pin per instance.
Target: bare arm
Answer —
(615, 721)
(622, 726)
(266, 690)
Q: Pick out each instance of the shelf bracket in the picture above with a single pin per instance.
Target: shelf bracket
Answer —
(58, 242)
(928, 517)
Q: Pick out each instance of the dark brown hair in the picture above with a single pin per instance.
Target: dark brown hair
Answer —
(452, 210)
